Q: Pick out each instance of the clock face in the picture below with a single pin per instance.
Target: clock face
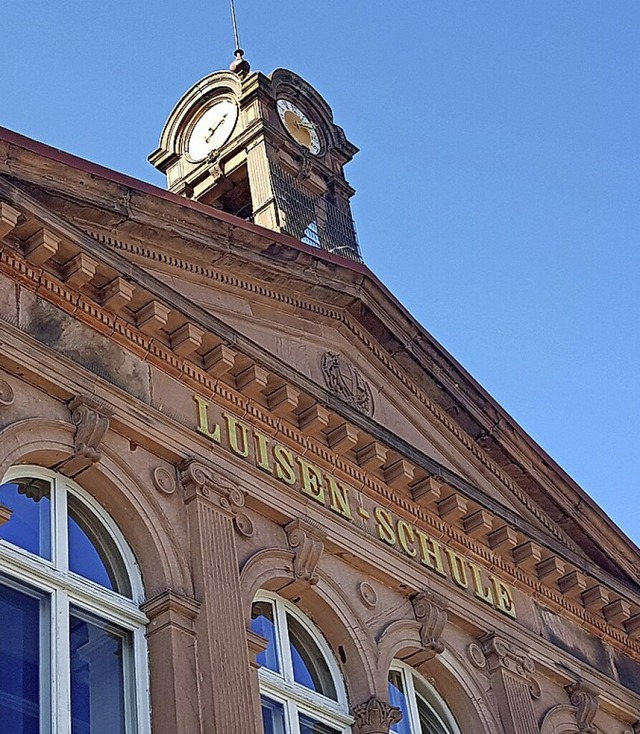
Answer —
(212, 130)
(298, 125)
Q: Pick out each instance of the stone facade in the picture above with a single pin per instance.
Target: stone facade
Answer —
(256, 414)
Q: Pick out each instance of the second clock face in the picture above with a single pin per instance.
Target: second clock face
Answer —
(212, 130)
(298, 125)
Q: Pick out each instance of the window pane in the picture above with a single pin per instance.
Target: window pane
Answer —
(29, 524)
(398, 699)
(311, 726)
(97, 676)
(19, 662)
(92, 553)
(262, 623)
(273, 717)
(309, 666)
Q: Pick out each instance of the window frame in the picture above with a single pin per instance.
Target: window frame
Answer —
(417, 686)
(282, 687)
(64, 590)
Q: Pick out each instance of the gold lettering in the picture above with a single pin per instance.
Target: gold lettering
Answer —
(233, 424)
(311, 480)
(480, 590)
(203, 420)
(339, 495)
(504, 600)
(431, 553)
(284, 464)
(406, 538)
(384, 520)
(458, 569)
(262, 455)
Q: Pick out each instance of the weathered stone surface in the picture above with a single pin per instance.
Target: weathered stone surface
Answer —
(81, 344)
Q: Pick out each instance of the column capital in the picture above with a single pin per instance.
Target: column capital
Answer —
(374, 717)
(202, 482)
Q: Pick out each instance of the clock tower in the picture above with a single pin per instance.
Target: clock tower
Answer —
(265, 149)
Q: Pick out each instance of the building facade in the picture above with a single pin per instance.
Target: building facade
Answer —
(243, 491)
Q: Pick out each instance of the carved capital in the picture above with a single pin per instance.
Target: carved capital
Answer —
(432, 617)
(374, 717)
(171, 609)
(502, 654)
(200, 481)
(307, 543)
(586, 705)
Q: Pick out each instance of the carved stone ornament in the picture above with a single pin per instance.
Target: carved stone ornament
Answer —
(199, 480)
(586, 705)
(502, 654)
(243, 525)
(164, 480)
(476, 656)
(374, 717)
(433, 619)
(344, 380)
(91, 419)
(6, 394)
(367, 594)
(307, 543)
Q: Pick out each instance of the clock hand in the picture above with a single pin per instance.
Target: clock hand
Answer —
(212, 130)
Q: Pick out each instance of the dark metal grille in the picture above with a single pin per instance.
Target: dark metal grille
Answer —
(312, 219)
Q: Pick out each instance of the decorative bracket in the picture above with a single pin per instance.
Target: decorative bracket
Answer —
(307, 543)
(374, 717)
(433, 618)
(586, 704)
(91, 419)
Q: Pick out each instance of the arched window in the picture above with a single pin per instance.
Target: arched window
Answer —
(72, 646)
(300, 683)
(423, 710)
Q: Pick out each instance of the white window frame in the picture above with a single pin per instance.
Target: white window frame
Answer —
(65, 589)
(416, 686)
(282, 688)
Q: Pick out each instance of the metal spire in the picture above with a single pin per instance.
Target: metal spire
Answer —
(234, 20)
(238, 65)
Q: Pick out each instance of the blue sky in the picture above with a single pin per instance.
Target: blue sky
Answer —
(498, 180)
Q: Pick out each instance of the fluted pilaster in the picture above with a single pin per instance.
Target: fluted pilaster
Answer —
(227, 700)
(511, 672)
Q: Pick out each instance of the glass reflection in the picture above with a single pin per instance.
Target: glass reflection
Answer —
(272, 716)
(311, 726)
(262, 623)
(309, 667)
(430, 722)
(29, 524)
(19, 662)
(398, 699)
(97, 677)
(86, 557)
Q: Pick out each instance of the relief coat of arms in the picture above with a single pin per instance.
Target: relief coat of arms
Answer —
(344, 380)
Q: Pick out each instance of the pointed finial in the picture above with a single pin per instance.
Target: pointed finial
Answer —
(240, 65)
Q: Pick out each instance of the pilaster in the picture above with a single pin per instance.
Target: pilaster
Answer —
(511, 672)
(212, 502)
(175, 694)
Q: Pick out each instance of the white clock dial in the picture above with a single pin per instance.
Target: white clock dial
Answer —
(298, 125)
(212, 130)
